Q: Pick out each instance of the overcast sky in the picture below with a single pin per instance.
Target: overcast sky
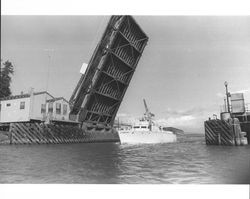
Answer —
(181, 73)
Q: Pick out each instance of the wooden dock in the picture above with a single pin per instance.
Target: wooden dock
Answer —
(40, 133)
(227, 133)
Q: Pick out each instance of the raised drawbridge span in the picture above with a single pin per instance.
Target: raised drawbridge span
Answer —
(99, 92)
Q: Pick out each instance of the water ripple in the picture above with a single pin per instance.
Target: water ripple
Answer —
(187, 161)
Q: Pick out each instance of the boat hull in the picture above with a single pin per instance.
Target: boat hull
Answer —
(146, 137)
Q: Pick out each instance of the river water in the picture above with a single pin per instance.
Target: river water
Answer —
(187, 161)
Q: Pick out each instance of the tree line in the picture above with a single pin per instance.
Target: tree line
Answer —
(6, 72)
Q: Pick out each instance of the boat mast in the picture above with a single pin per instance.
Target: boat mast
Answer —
(148, 116)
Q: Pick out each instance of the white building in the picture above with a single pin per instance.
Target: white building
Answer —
(36, 106)
(57, 109)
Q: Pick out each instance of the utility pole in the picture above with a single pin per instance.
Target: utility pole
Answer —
(225, 105)
(50, 54)
(1, 70)
(1, 75)
(227, 95)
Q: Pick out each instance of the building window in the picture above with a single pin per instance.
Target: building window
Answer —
(22, 105)
(58, 108)
(8, 104)
(43, 108)
(50, 107)
(65, 109)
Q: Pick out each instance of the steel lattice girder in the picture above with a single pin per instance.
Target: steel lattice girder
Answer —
(100, 91)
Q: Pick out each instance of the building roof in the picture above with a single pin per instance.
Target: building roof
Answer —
(56, 99)
(24, 95)
(15, 97)
(43, 92)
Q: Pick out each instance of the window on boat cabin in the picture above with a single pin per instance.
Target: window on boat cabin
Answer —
(58, 108)
(65, 109)
(136, 127)
(144, 127)
(43, 108)
(8, 104)
(50, 109)
(22, 105)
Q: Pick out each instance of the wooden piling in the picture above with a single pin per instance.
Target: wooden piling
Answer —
(40, 133)
(220, 132)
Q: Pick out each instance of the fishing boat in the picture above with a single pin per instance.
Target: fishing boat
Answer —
(146, 131)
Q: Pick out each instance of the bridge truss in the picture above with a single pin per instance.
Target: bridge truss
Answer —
(99, 92)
